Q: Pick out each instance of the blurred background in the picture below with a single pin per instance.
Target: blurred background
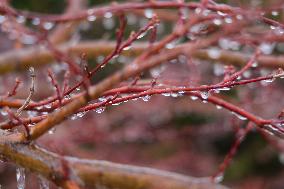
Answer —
(164, 132)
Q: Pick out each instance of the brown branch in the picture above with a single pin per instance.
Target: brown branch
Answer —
(21, 59)
(94, 173)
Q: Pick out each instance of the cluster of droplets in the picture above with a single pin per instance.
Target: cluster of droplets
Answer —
(24, 37)
(227, 44)
(100, 109)
(78, 115)
(279, 31)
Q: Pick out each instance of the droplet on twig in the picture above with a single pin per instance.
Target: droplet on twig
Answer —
(193, 97)
(239, 116)
(146, 98)
(219, 178)
(204, 94)
(52, 131)
(100, 110)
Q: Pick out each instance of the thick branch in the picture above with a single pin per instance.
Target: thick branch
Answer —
(94, 173)
(21, 59)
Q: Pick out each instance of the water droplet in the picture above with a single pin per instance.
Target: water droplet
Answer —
(205, 12)
(247, 74)
(221, 13)
(214, 53)
(21, 19)
(127, 47)
(142, 35)
(2, 19)
(218, 69)
(174, 95)
(48, 106)
(279, 31)
(204, 101)
(108, 23)
(91, 18)
(90, 12)
(28, 39)
(197, 28)
(102, 99)
(74, 117)
(228, 20)
(146, 98)
(217, 21)
(36, 21)
(170, 45)
(193, 97)
(156, 72)
(219, 178)
(198, 10)
(224, 89)
(239, 17)
(204, 94)
(272, 27)
(239, 116)
(227, 44)
(116, 104)
(32, 113)
(52, 131)
(100, 110)
(166, 94)
(219, 107)
(43, 182)
(20, 175)
(274, 13)
(148, 13)
(184, 12)
(215, 91)
(81, 114)
(267, 48)
(254, 64)
(3, 112)
(48, 25)
(270, 80)
(67, 97)
(39, 107)
(108, 15)
(272, 130)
